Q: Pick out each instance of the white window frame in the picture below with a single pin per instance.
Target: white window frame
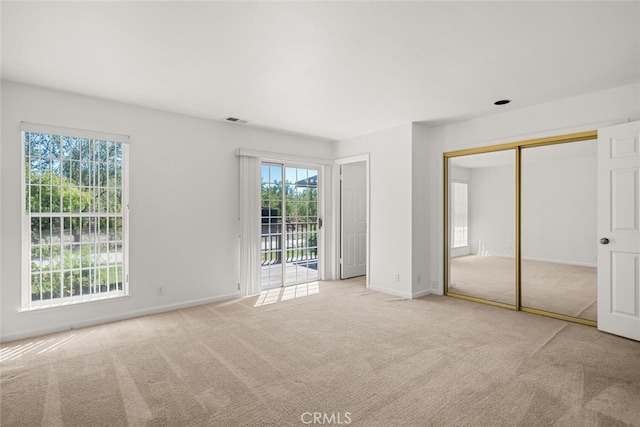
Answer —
(27, 304)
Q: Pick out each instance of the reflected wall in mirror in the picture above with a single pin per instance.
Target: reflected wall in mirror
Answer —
(558, 228)
(481, 253)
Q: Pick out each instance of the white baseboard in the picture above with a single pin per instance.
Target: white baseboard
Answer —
(117, 317)
(393, 292)
(553, 261)
(401, 294)
(422, 293)
(556, 261)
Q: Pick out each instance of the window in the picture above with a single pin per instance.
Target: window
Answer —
(459, 215)
(75, 228)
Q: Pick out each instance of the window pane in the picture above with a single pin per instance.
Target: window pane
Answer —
(275, 173)
(86, 149)
(291, 176)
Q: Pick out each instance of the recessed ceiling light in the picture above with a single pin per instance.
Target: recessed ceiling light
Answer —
(236, 120)
(502, 102)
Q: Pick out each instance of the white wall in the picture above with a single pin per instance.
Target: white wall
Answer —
(559, 203)
(184, 204)
(492, 210)
(568, 115)
(390, 205)
(421, 212)
(400, 191)
(457, 173)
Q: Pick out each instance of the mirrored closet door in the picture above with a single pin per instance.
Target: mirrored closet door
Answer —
(482, 226)
(559, 240)
(520, 226)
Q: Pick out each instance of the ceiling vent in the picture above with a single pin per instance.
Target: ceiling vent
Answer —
(236, 120)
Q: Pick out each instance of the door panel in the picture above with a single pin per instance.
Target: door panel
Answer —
(481, 250)
(624, 299)
(301, 219)
(558, 228)
(354, 222)
(624, 188)
(619, 231)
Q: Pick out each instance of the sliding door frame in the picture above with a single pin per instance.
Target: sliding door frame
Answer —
(284, 164)
(517, 149)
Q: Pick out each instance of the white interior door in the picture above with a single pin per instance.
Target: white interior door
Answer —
(619, 230)
(353, 247)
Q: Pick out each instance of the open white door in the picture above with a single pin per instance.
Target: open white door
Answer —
(354, 220)
(619, 230)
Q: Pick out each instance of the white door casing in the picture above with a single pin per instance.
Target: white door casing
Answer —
(619, 223)
(353, 214)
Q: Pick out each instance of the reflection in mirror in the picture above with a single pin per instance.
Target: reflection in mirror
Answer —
(559, 241)
(482, 226)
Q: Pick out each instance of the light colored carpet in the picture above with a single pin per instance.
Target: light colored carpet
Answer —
(558, 288)
(333, 349)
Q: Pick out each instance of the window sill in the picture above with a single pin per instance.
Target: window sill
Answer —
(70, 302)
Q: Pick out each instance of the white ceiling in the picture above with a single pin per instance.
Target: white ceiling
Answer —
(332, 70)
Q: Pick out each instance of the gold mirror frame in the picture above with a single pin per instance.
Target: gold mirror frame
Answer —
(517, 147)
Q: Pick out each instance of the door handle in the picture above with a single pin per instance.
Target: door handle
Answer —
(604, 241)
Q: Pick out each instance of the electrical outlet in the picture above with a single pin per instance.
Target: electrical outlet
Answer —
(418, 280)
(160, 291)
(396, 277)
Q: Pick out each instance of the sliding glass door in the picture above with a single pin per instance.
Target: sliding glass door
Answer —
(289, 232)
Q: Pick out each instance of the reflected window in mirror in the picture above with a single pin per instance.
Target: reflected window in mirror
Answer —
(459, 214)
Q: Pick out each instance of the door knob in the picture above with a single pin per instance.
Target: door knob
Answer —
(604, 241)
